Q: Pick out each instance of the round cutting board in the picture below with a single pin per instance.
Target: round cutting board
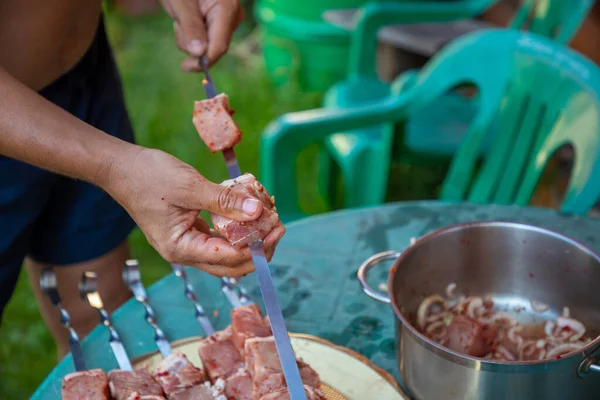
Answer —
(345, 374)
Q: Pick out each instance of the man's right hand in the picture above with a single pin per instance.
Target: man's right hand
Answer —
(165, 196)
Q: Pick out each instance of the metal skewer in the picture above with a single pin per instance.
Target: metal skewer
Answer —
(88, 289)
(49, 286)
(244, 297)
(133, 279)
(201, 317)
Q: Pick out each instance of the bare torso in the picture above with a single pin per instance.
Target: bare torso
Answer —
(40, 40)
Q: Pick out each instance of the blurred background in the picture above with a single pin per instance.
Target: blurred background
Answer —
(283, 58)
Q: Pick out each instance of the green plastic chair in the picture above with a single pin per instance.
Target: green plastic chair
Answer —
(539, 94)
(434, 133)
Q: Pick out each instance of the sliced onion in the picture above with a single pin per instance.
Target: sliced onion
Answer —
(505, 353)
(451, 290)
(512, 335)
(425, 306)
(564, 349)
(549, 328)
(475, 303)
(575, 326)
(538, 306)
(566, 312)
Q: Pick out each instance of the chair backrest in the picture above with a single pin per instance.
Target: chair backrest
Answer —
(556, 19)
(536, 96)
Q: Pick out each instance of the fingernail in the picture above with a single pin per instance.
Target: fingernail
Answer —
(250, 206)
(195, 47)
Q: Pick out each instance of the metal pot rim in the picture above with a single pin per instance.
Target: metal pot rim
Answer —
(470, 360)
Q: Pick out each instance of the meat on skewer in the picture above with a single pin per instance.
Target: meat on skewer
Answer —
(242, 233)
(212, 119)
(178, 378)
(85, 385)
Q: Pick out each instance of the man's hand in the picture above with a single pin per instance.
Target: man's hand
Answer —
(164, 196)
(203, 27)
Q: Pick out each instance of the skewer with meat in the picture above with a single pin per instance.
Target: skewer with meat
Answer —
(212, 119)
(134, 385)
(238, 233)
(85, 385)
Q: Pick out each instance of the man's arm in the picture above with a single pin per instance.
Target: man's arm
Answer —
(35, 131)
(162, 194)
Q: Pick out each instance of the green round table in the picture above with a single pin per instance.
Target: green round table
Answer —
(314, 270)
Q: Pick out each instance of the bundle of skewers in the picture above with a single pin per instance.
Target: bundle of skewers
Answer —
(238, 362)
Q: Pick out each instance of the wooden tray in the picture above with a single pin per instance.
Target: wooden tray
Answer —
(346, 375)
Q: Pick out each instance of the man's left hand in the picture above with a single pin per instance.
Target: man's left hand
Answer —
(204, 27)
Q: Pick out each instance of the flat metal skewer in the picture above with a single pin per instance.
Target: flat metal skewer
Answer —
(200, 314)
(88, 289)
(133, 280)
(49, 286)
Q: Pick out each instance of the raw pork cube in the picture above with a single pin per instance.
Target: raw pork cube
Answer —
(283, 394)
(247, 322)
(219, 355)
(85, 385)
(198, 392)
(212, 119)
(262, 361)
(176, 373)
(129, 384)
(241, 233)
(239, 386)
(467, 336)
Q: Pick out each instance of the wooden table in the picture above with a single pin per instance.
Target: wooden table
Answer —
(315, 273)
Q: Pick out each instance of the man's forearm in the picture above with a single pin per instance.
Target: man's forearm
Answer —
(40, 133)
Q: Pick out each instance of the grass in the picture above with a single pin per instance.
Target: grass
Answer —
(159, 98)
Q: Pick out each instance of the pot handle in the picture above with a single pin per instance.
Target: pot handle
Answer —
(364, 269)
(588, 366)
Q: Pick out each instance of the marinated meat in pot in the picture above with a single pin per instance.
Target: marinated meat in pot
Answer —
(85, 385)
(467, 336)
(126, 385)
(242, 233)
(176, 373)
(219, 354)
(212, 119)
(198, 392)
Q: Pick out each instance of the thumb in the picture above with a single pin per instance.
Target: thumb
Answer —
(226, 202)
(190, 28)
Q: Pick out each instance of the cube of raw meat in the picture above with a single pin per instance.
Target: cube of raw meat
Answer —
(212, 119)
(176, 373)
(283, 394)
(239, 385)
(467, 336)
(219, 355)
(262, 362)
(242, 233)
(247, 322)
(126, 385)
(85, 385)
(198, 392)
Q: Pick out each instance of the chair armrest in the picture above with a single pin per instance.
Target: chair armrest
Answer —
(285, 137)
(374, 16)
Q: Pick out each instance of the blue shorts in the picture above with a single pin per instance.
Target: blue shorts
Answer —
(57, 220)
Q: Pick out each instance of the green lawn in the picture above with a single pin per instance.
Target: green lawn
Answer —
(160, 99)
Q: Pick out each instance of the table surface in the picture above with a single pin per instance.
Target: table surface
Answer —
(314, 270)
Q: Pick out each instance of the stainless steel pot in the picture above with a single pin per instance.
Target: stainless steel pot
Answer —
(513, 263)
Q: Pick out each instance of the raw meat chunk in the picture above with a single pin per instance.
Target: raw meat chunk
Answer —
(219, 355)
(129, 384)
(85, 385)
(283, 394)
(239, 386)
(242, 233)
(212, 119)
(467, 336)
(176, 373)
(247, 322)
